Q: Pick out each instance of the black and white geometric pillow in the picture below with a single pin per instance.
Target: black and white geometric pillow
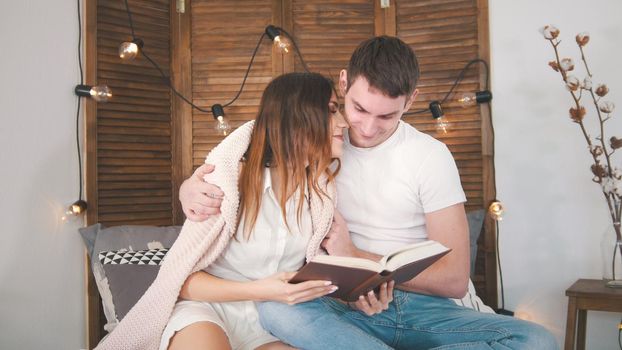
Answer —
(134, 257)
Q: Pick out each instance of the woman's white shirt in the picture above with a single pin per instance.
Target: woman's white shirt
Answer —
(272, 247)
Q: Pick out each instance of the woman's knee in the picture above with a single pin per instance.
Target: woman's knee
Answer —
(200, 335)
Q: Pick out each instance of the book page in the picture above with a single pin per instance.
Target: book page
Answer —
(410, 253)
(348, 261)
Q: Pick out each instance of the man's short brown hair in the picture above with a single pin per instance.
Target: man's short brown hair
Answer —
(388, 64)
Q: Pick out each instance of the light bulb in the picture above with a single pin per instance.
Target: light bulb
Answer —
(442, 125)
(100, 93)
(496, 210)
(468, 99)
(281, 41)
(128, 50)
(222, 126)
(74, 210)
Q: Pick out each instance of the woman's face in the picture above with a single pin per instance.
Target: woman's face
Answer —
(337, 125)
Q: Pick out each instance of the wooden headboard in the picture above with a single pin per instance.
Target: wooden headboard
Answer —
(143, 143)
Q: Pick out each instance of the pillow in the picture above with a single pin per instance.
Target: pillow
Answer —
(129, 274)
(476, 221)
(121, 284)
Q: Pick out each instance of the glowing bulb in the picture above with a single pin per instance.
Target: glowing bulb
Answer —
(100, 93)
(128, 50)
(468, 99)
(281, 42)
(496, 210)
(442, 125)
(222, 126)
(74, 210)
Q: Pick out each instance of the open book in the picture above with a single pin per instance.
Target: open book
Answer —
(357, 276)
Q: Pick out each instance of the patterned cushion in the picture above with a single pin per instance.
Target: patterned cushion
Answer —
(139, 257)
(129, 262)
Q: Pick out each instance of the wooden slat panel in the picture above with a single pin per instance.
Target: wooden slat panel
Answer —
(328, 31)
(446, 34)
(134, 128)
(224, 35)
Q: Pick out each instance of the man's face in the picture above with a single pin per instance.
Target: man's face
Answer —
(373, 116)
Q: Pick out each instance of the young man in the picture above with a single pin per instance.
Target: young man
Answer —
(397, 186)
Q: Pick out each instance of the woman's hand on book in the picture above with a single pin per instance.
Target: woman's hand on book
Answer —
(277, 288)
(371, 304)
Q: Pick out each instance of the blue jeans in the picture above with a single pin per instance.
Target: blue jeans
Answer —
(413, 321)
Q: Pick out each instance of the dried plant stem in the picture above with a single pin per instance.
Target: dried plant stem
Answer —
(574, 97)
(602, 133)
(614, 205)
(587, 69)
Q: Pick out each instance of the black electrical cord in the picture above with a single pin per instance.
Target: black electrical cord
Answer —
(129, 16)
(167, 80)
(620, 335)
(502, 309)
(457, 81)
(78, 104)
(302, 61)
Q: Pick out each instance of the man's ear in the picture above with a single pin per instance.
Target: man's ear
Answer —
(343, 82)
(411, 100)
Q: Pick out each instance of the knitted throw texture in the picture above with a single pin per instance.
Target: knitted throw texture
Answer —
(199, 244)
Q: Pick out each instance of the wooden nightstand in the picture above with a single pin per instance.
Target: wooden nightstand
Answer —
(586, 295)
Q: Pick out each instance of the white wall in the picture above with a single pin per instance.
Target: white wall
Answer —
(555, 215)
(41, 262)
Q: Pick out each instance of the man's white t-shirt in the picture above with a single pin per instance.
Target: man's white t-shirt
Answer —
(385, 191)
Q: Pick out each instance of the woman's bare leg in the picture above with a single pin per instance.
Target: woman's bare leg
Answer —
(200, 336)
(277, 345)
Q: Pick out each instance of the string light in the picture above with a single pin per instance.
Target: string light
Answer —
(222, 126)
(496, 210)
(128, 50)
(100, 93)
(76, 209)
(469, 99)
(442, 124)
(281, 42)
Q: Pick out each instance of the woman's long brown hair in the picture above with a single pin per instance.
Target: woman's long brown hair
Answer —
(292, 133)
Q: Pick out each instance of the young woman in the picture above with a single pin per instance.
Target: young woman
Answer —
(277, 175)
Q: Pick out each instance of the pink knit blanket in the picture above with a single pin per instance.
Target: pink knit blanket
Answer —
(199, 244)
